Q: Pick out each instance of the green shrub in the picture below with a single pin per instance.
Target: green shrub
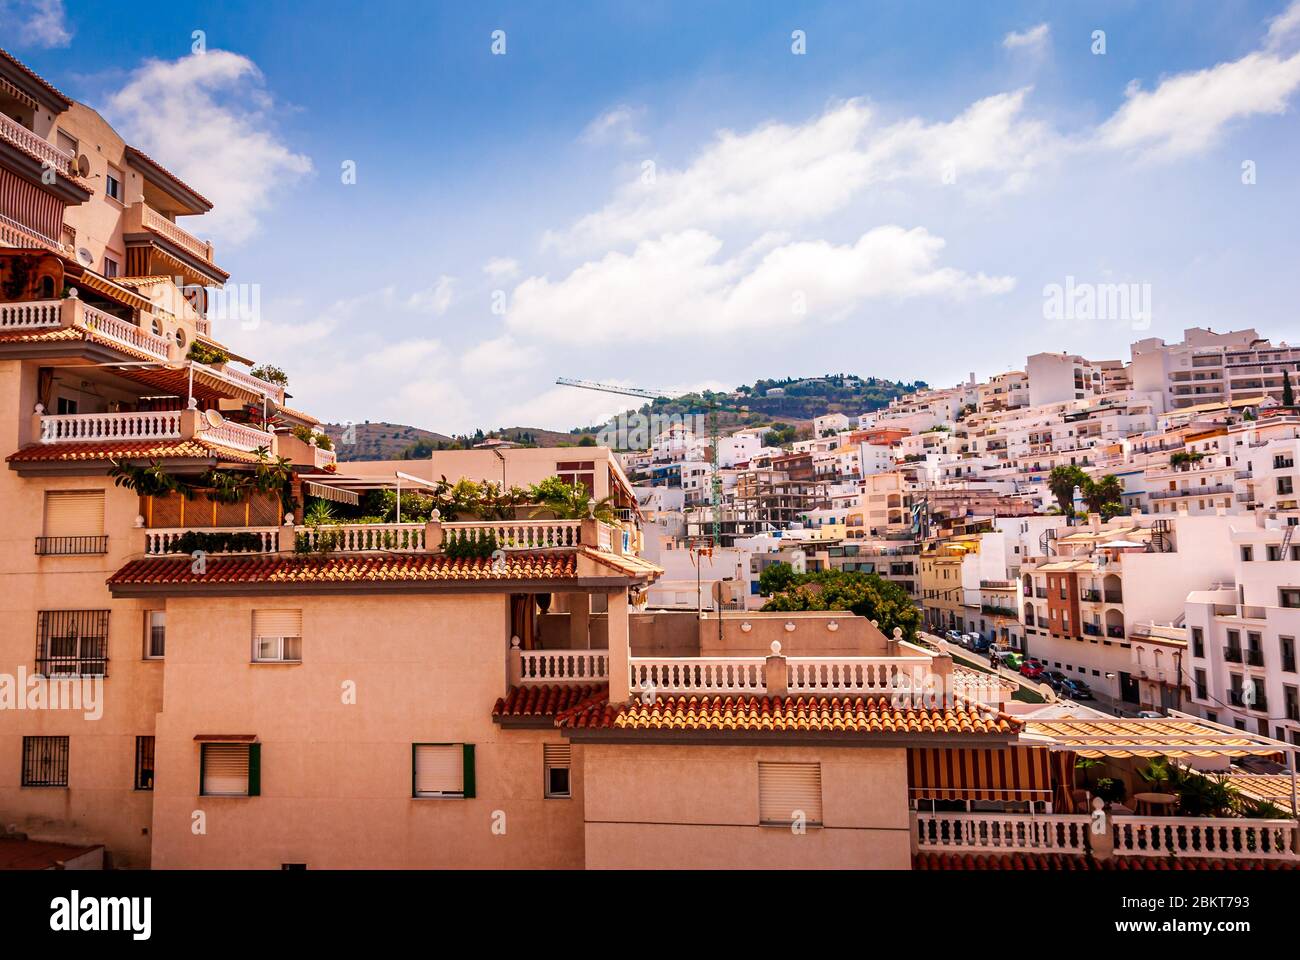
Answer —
(470, 544)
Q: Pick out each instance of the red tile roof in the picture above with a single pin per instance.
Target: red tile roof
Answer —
(17, 854)
(349, 568)
(1060, 861)
(35, 76)
(546, 701)
(128, 450)
(832, 715)
(136, 152)
(77, 332)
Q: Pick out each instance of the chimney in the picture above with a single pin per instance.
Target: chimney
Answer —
(1094, 521)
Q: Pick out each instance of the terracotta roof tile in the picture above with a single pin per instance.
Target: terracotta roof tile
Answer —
(850, 715)
(333, 568)
(1060, 861)
(128, 450)
(77, 332)
(546, 700)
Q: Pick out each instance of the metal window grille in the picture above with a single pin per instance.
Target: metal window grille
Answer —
(144, 763)
(72, 643)
(45, 761)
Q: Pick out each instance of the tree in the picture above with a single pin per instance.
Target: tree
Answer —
(1104, 496)
(775, 578)
(1062, 482)
(1288, 395)
(270, 374)
(568, 501)
(864, 594)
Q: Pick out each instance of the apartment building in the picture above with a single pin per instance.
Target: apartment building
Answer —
(1208, 367)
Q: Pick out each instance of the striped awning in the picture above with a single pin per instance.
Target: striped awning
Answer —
(1178, 735)
(1014, 773)
(9, 88)
(336, 494)
(113, 291)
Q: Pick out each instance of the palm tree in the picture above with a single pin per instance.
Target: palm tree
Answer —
(1062, 481)
(1103, 493)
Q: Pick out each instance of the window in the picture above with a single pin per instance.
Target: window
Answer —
(65, 406)
(1202, 686)
(442, 770)
(1289, 597)
(1248, 554)
(72, 643)
(1198, 642)
(1285, 485)
(1287, 645)
(277, 636)
(230, 769)
(67, 143)
(789, 791)
(45, 761)
(180, 337)
(144, 763)
(113, 184)
(155, 634)
(74, 523)
(111, 267)
(575, 472)
(555, 763)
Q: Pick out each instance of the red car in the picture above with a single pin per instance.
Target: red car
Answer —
(1032, 669)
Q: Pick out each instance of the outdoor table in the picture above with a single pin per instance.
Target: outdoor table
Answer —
(1154, 803)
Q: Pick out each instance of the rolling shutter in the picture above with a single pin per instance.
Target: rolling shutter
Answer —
(440, 769)
(784, 788)
(74, 513)
(277, 623)
(556, 754)
(226, 769)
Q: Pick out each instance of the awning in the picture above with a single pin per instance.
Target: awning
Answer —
(1179, 735)
(114, 291)
(335, 494)
(1015, 773)
(225, 737)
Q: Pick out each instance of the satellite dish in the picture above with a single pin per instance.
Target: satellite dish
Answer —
(86, 257)
(214, 419)
(81, 166)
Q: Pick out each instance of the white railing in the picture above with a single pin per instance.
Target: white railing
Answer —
(15, 234)
(831, 675)
(161, 540)
(703, 675)
(249, 382)
(42, 149)
(236, 436)
(123, 331)
(973, 832)
(604, 537)
(1219, 838)
(151, 219)
(92, 427)
(563, 666)
(364, 537)
(30, 314)
(323, 458)
(520, 534)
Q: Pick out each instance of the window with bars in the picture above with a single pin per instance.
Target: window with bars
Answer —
(144, 763)
(45, 761)
(72, 643)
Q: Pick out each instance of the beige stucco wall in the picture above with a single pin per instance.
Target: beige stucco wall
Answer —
(336, 777)
(673, 806)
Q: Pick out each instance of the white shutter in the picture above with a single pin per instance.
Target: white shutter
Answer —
(784, 788)
(225, 769)
(74, 513)
(277, 623)
(555, 754)
(439, 769)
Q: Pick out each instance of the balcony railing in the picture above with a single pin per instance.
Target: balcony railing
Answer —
(832, 675)
(239, 540)
(363, 537)
(30, 315)
(33, 143)
(125, 332)
(1210, 837)
(236, 436)
(979, 832)
(1255, 658)
(701, 675)
(563, 666)
(15, 234)
(152, 220)
(95, 427)
(1115, 631)
(1211, 490)
(525, 534)
(71, 546)
(249, 382)
(1232, 654)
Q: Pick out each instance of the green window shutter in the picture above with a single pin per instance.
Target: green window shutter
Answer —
(469, 770)
(254, 769)
(203, 756)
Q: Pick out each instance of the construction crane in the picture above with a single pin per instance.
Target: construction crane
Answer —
(715, 497)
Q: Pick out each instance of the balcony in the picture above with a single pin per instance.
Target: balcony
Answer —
(140, 216)
(1115, 632)
(222, 541)
(1206, 491)
(1232, 654)
(1114, 596)
(1090, 596)
(29, 142)
(1255, 658)
(71, 546)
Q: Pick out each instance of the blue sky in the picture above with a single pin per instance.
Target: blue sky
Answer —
(667, 195)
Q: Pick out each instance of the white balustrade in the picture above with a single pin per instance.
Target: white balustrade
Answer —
(1231, 838)
(365, 537)
(15, 234)
(162, 540)
(977, 832)
(701, 675)
(246, 380)
(521, 534)
(563, 666)
(123, 331)
(832, 675)
(93, 427)
(30, 314)
(33, 143)
(236, 436)
(604, 537)
(155, 221)
(323, 458)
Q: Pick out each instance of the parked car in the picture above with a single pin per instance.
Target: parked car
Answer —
(1032, 669)
(980, 644)
(953, 636)
(1009, 659)
(1053, 678)
(971, 640)
(1150, 715)
(1074, 689)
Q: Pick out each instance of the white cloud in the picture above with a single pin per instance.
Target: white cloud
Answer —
(784, 174)
(1284, 26)
(435, 299)
(501, 268)
(1033, 40)
(40, 23)
(207, 118)
(498, 356)
(616, 125)
(1189, 111)
(677, 285)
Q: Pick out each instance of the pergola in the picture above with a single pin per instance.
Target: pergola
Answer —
(348, 489)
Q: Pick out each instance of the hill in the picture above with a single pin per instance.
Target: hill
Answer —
(376, 440)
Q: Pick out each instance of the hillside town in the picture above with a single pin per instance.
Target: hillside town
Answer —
(1045, 619)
